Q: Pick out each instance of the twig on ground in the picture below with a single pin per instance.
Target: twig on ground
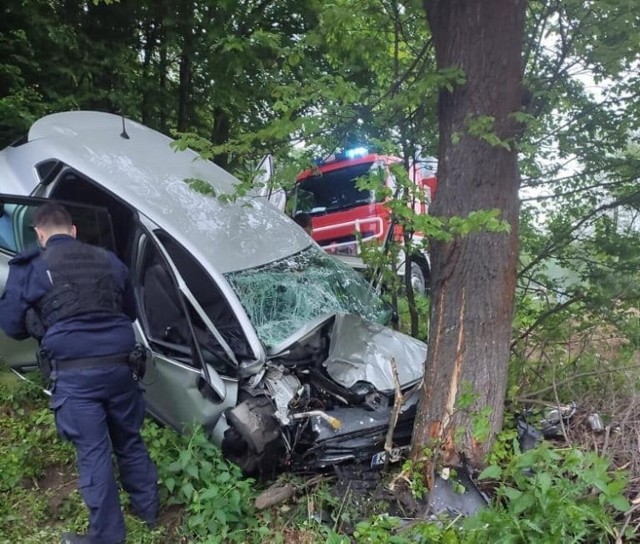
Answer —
(337, 527)
(561, 419)
(398, 401)
(627, 520)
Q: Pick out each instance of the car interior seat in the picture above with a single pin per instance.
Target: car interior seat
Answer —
(167, 323)
(165, 317)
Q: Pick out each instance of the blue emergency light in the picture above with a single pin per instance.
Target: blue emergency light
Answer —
(344, 155)
(356, 152)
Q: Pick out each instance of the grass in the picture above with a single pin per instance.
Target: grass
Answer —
(203, 498)
(38, 482)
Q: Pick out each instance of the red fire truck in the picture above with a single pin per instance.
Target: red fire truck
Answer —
(344, 216)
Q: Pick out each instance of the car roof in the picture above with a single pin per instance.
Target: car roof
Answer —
(143, 170)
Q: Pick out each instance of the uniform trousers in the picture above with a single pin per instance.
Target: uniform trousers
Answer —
(101, 410)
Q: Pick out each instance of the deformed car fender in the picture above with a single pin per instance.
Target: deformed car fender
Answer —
(362, 351)
(253, 439)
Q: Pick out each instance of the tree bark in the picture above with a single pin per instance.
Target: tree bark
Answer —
(473, 277)
(162, 79)
(184, 89)
(149, 46)
(185, 72)
(220, 134)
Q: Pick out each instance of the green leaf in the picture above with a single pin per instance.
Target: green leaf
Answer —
(523, 502)
(526, 459)
(492, 472)
(187, 490)
(511, 493)
(619, 502)
(544, 481)
(192, 470)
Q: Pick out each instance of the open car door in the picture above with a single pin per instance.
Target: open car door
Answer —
(17, 234)
(187, 381)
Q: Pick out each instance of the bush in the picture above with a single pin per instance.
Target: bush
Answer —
(551, 495)
(541, 496)
(217, 498)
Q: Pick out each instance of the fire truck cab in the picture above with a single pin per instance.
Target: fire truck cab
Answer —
(345, 216)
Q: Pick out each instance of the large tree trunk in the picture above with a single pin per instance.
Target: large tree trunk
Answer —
(473, 277)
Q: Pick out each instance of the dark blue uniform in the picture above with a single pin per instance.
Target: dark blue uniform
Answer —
(99, 408)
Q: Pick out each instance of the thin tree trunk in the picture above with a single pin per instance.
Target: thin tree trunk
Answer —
(473, 277)
(162, 80)
(185, 71)
(220, 133)
(184, 90)
(149, 48)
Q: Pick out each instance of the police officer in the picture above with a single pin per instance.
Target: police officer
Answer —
(84, 300)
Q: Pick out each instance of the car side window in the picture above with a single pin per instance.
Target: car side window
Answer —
(16, 232)
(73, 186)
(163, 311)
(16, 223)
(209, 297)
(172, 323)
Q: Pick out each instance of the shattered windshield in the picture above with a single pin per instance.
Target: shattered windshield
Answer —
(333, 190)
(282, 296)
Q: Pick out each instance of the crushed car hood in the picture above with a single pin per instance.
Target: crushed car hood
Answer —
(360, 351)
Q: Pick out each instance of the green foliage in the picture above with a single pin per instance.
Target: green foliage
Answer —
(216, 498)
(384, 528)
(483, 128)
(481, 424)
(193, 474)
(201, 186)
(542, 495)
(38, 496)
(504, 448)
(414, 473)
(239, 79)
(26, 444)
(578, 223)
(378, 530)
(478, 221)
(27, 436)
(467, 402)
(550, 495)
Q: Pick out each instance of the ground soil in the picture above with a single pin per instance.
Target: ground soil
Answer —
(58, 481)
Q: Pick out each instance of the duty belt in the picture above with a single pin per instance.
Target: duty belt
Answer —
(92, 362)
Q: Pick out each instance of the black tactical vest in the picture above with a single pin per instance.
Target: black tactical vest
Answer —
(82, 283)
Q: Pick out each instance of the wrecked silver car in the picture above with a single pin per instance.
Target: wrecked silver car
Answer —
(276, 348)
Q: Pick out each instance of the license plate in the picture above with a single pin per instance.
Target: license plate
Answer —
(395, 455)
